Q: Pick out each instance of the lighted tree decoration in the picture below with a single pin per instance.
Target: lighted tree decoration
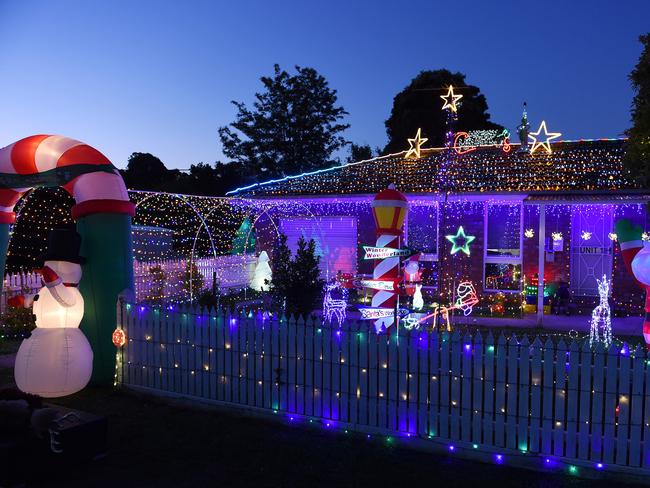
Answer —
(262, 276)
(244, 241)
(601, 320)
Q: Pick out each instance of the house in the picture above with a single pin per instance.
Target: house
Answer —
(552, 210)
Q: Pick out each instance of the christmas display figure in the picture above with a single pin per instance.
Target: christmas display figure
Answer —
(57, 359)
(418, 301)
(262, 276)
(335, 307)
(103, 214)
(522, 131)
(601, 317)
(389, 209)
(636, 255)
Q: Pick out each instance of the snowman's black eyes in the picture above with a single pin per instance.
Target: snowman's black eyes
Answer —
(36, 297)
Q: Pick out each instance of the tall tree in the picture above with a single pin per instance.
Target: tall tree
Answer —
(359, 152)
(294, 126)
(419, 106)
(638, 147)
(145, 171)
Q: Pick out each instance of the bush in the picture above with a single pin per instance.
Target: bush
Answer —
(17, 323)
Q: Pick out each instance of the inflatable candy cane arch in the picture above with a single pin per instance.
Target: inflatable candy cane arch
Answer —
(389, 210)
(103, 214)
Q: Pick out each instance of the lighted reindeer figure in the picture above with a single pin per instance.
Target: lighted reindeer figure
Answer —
(601, 320)
(335, 307)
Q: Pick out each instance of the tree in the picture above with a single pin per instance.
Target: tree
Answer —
(293, 127)
(281, 272)
(306, 282)
(145, 171)
(244, 241)
(297, 286)
(419, 106)
(638, 148)
(359, 152)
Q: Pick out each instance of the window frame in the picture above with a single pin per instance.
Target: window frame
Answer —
(514, 260)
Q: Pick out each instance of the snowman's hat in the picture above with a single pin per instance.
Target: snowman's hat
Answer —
(63, 244)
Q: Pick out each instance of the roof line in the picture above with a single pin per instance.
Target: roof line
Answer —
(310, 173)
(354, 163)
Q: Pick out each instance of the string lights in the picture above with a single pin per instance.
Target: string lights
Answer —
(584, 165)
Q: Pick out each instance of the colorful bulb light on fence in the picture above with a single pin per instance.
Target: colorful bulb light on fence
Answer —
(119, 337)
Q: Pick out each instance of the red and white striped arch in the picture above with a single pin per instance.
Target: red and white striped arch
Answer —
(99, 192)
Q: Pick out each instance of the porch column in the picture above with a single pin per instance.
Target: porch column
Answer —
(541, 236)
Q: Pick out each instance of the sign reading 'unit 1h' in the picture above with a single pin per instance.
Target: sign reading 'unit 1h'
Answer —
(386, 252)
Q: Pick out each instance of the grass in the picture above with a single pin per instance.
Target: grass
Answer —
(156, 443)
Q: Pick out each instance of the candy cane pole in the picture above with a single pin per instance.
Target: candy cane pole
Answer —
(389, 209)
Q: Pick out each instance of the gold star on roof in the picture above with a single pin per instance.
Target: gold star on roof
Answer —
(450, 99)
(548, 136)
(415, 144)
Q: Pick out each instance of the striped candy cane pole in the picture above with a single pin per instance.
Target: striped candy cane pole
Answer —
(389, 209)
(386, 269)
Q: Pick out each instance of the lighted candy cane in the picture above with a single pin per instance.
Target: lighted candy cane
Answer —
(389, 209)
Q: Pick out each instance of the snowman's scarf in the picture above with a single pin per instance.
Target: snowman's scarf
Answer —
(65, 301)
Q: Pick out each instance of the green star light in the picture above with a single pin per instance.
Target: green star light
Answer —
(460, 235)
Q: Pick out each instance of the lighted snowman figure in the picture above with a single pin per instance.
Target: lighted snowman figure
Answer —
(57, 359)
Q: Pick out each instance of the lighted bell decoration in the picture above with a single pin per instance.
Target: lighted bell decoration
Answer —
(389, 210)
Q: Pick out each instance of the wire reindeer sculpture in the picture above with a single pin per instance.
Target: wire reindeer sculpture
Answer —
(601, 319)
(335, 307)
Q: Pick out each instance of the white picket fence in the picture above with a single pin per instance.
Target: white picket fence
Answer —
(232, 271)
(18, 283)
(549, 401)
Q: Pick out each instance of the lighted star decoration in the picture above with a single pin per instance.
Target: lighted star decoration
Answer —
(586, 235)
(612, 236)
(557, 236)
(415, 144)
(529, 233)
(450, 99)
(460, 236)
(547, 136)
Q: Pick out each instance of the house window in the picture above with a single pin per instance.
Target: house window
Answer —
(335, 239)
(502, 257)
(422, 229)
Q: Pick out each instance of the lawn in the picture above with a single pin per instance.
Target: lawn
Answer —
(155, 442)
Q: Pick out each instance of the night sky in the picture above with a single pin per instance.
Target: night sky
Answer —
(158, 77)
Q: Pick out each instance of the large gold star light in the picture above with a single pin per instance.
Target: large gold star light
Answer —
(415, 144)
(548, 137)
(450, 99)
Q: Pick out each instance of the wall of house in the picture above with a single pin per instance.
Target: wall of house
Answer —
(450, 270)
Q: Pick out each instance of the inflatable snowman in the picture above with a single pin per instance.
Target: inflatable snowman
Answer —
(57, 359)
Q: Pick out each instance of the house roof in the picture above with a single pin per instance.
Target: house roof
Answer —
(574, 166)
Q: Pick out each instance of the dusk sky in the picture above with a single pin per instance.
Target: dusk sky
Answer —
(158, 77)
